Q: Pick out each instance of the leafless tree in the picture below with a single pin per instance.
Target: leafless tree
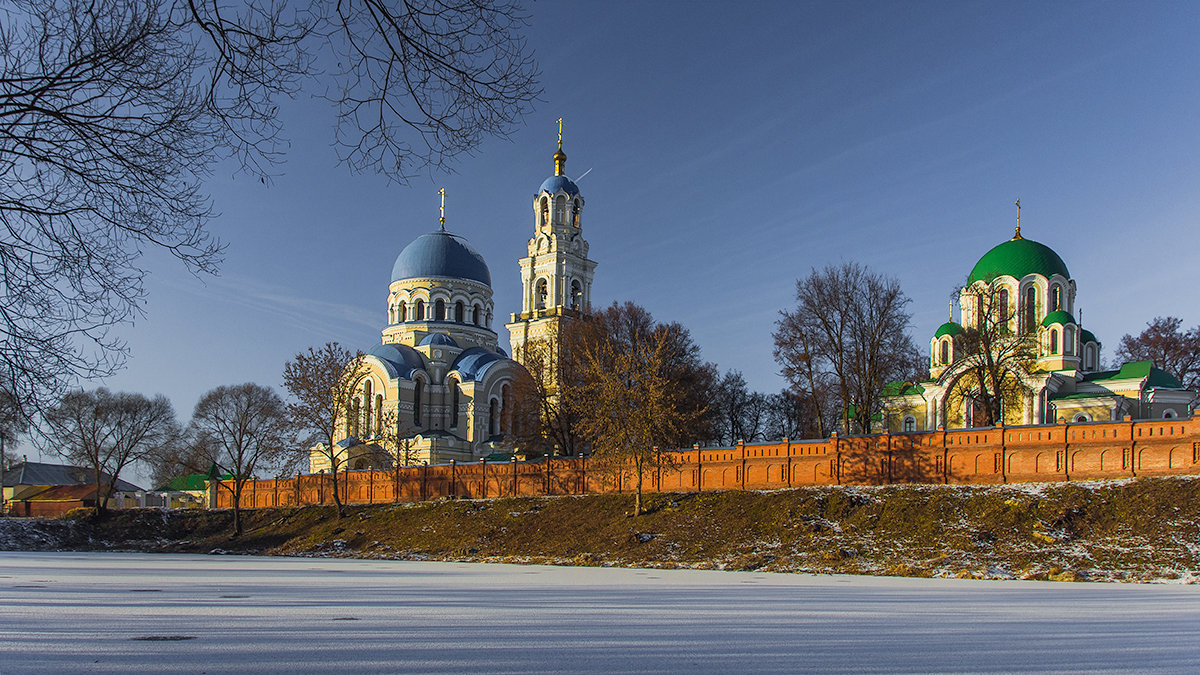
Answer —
(995, 359)
(321, 383)
(636, 377)
(240, 429)
(790, 415)
(1174, 350)
(848, 331)
(114, 112)
(106, 432)
(12, 425)
(741, 414)
(546, 395)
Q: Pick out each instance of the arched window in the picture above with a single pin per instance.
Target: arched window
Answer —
(979, 311)
(453, 403)
(1081, 418)
(506, 409)
(910, 423)
(560, 210)
(476, 315)
(403, 315)
(493, 418)
(378, 414)
(417, 386)
(1030, 310)
(945, 351)
(541, 294)
(439, 310)
(352, 411)
(1089, 358)
(1002, 310)
(1068, 340)
(459, 314)
(1055, 298)
(544, 212)
(420, 310)
(367, 401)
(1053, 341)
(575, 210)
(1169, 414)
(576, 295)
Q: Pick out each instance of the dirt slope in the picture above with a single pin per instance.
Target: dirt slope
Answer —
(1135, 530)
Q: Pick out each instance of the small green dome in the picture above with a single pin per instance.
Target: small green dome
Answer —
(949, 328)
(1016, 258)
(1086, 336)
(1060, 317)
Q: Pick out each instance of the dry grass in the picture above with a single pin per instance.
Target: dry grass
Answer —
(1137, 530)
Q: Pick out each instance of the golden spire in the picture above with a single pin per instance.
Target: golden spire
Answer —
(951, 319)
(560, 157)
(442, 210)
(1018, 234)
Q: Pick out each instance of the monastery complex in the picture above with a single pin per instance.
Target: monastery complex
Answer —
(441, 377)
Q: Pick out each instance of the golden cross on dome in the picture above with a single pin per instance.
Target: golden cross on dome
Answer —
(442, 210)
(560, 133)
(1018, 234)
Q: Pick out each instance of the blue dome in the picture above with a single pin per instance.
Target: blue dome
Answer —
(555, 183)
(401, 361)
(472, 363)
(441, 254)
(438, 339)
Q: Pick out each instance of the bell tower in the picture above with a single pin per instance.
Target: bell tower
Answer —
(556, 275)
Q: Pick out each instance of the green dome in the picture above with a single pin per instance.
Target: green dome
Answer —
(1016, 258)
(1059, 317)
(1086, 336)
(949, 328)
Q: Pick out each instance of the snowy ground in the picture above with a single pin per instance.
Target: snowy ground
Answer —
(112, 612)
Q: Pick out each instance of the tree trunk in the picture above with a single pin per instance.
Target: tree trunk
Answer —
(637, 499)
(337, 498)
(237, 507)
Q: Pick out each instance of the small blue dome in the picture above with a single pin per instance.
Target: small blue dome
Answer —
(441, 254)
(401, 361)
(438, 339)
(555, 183)
(472, 363)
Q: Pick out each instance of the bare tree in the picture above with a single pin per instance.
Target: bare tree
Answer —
(635, 376)
(790, 415)
(849, 330)
(114, 112)
(995, 359)
(240, 429)
(1173, 350)
(741, 414)
(106, 432)
(321, 383)
(12, 425)
(546, 396)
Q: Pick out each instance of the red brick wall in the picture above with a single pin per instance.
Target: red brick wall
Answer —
(995, 455)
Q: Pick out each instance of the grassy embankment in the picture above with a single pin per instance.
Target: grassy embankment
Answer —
(1144, 529)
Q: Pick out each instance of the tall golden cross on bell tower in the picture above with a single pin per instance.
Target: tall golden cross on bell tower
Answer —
(1018, 234)
(442, 210)
(560, 133)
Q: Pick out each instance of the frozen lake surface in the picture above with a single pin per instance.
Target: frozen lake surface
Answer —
(143, 613)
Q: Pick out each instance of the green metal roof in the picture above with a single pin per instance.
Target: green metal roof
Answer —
(902, 389)
(1059, 316)
(1067, 397)
(1086, 336)
(1137, 370)
(949, 328)
(1017, 258)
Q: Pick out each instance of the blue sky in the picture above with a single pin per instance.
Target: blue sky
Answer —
(729, 148)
